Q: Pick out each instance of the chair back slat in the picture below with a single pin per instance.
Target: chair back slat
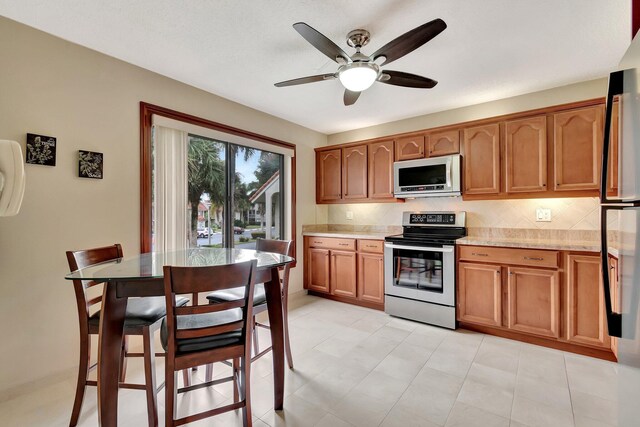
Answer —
(181, 321)
(85, 258)
(210, 308)
(210, 331)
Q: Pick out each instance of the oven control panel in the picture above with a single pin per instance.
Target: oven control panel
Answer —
(432, 219)
(441, 219)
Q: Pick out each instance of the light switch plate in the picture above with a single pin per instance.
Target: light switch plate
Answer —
(543, 215)
(349, 214)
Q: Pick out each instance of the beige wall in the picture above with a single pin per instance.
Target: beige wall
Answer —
(577, 214)
(88, 101)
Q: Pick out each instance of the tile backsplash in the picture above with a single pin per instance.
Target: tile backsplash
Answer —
(580, 213)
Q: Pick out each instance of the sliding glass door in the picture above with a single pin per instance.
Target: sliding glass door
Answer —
(234, 194)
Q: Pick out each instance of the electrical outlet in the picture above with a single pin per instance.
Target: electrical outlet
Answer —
(349, 214)
(543, 215)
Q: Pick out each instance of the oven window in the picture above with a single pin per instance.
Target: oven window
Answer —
(422, 175)
(417, 269)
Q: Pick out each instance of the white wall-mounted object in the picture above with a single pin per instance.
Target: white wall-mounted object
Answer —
(12, 178)
(543, 215)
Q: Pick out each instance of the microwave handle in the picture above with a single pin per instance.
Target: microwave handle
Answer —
(448, 173)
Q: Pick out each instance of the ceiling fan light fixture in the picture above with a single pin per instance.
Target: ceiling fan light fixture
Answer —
(358, 76)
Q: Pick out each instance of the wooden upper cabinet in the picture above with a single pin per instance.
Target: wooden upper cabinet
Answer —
(371, 278)
(526, 155)
(480, 294)
(381, 170)
(410, 147)
(318, 270)
(443, 143)
(612, 178)
(534, 301)
(328, 175)
(577, 143)
(343, 273)
(481, 159)
(586, 318)
(354, 172)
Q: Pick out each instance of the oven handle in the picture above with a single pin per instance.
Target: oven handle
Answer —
(419, 248)
(448, 173)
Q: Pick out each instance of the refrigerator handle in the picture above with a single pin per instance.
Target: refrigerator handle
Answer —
(614, 320)
(616, 85)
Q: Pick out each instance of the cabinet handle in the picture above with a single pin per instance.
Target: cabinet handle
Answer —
(343, 244)
(478, 254)
(533, 258)
(374, 246)
(497, 271)
(317, 243)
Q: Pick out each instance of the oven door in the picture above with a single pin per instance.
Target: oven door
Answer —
(420, 273)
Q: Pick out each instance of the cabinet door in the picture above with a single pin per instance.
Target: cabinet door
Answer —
(586, 318)
(612, 179)
(613, 284)
(482, 159)
(343, 273)
(318, 270)
(526, 155)
(443, 143)
(354, 172)
(328, 175)
(534, 301)
(411, 147)
(371, 278)
(480, 294)
(577, 148)
(381, 170)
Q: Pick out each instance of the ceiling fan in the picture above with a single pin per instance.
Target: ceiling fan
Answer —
(359, 71)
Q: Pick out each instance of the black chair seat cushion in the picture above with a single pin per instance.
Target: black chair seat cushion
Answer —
(259, 296)
(142, 311)
(187, 345)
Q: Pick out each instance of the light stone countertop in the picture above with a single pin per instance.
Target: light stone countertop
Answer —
(350, 234)
(555, 244)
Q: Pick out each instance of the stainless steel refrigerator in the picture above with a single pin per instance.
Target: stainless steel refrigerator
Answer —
(620, 227)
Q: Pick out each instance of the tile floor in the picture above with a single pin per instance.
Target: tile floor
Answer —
(360, 367)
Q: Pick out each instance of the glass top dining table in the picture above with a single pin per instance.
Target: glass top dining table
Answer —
(142, 275)
(149, 265)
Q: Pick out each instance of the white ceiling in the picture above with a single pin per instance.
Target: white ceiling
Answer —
(491, 49)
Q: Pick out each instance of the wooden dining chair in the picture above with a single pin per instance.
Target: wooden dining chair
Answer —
(283, 247)
(202, 334)
(143, 317)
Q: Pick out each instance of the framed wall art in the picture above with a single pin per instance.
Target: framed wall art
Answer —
(41, 150)
(90, 164)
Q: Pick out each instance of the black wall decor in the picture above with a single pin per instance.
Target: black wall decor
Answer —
(90, 164)
(41, 150)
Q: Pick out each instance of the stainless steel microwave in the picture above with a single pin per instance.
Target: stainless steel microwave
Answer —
(433, 177)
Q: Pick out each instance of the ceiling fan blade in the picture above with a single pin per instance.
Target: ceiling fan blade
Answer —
(350, 97)
(320, 42)
(303, 80)
(409, 41)
(398, 78)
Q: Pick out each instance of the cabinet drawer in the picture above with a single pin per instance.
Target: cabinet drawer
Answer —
(532, 257)
(372, 246)
(332, 243)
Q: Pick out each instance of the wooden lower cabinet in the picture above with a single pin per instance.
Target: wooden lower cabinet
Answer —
(559, 303)
(480, 293)
(340, 269)
(371, 278)
(586, 317)
(534, 301)
(343, 273)
(318, 278)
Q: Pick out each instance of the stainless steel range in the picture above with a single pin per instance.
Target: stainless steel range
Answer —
(419, 267)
